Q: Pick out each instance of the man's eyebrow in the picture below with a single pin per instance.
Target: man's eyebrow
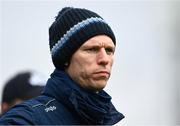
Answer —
(109, 45)
(92, 45)
(99, 44)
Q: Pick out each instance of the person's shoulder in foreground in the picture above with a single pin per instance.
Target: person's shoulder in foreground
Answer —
(42, 110)
(82, 46)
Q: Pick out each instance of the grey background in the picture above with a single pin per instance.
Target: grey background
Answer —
(145, 79)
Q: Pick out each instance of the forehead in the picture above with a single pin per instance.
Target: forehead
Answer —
(99, 40)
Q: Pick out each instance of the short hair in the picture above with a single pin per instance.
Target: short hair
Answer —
(21, 87)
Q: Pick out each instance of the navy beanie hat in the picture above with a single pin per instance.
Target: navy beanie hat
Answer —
(71, 28)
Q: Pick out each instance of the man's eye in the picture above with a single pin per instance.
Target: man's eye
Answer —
(92, 50)
(109, 51)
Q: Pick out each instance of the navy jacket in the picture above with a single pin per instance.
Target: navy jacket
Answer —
(63, 102)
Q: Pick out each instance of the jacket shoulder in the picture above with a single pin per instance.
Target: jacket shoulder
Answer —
(26, 113)
(41, 101)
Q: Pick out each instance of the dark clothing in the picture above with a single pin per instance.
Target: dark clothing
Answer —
(64, 102)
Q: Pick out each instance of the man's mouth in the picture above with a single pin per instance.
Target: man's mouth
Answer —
(104, 74)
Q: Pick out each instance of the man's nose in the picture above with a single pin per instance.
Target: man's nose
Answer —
(103, 58)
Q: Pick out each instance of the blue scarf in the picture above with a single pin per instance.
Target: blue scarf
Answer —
(93, 108)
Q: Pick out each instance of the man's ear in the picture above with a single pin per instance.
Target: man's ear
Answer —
(4, 107)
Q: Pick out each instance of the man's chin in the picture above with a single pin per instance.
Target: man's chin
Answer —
(99, 86)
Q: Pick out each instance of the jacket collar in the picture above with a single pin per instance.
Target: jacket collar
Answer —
(94, 108)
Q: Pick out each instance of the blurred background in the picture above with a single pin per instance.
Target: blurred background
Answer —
(145, 81)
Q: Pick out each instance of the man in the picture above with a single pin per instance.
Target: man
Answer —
(23, 86)
(82, 46)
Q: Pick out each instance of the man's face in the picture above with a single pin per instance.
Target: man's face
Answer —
(90, 65)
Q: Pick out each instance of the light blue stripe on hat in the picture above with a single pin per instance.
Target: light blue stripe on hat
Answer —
(73, 30)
